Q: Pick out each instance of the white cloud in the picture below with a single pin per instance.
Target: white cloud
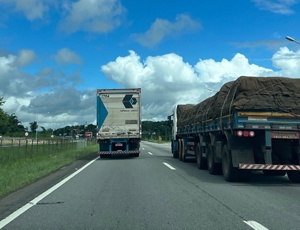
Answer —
(32, 9)
(66, 56)
(288, 61)
(12, 80)
(25, 57)
(58, 108)
(12, 62)
(167, 80)
(211, 71)
(6, 64)
(22, 90)
(98, 16)
(17, 82)
(276, 6)
(162, 28)
(13, 104)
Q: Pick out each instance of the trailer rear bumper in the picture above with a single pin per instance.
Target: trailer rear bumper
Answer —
(269, 167)
(118, 152)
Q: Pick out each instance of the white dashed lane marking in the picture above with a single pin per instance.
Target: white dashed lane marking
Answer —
(255, 225)
(169, 166)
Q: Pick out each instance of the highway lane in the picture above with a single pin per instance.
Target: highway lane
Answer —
(156, 191)
(270, 201)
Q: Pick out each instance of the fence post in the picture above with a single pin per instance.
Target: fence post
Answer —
(26, 146)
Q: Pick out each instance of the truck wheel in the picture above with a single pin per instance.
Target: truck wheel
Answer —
(213, 168)
(201, 161)
(175, 155)
(183, 156)
(174, 151)
(294, 176)
(179, 149)
(229, 172)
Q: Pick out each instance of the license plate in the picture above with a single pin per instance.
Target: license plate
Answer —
(119, 144)
(285, 135)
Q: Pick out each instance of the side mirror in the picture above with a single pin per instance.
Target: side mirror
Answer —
(170, 122)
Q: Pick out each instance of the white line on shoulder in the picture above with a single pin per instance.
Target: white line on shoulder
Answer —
(33, 202)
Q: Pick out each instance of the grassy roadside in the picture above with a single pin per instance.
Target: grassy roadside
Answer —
(19, 172)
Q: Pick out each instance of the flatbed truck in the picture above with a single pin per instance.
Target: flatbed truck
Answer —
(240, 142)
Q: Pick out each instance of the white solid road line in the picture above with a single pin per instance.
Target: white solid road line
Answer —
(27, 206)
(169, 166)
(150, 153)
(255, 225)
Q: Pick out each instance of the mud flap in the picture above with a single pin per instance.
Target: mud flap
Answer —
(239, 156)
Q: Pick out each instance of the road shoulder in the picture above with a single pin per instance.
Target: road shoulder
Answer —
(17, 199)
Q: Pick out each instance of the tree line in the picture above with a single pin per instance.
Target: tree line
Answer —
(11, 126)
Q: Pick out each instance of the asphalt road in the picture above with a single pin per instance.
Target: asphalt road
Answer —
(154, 191)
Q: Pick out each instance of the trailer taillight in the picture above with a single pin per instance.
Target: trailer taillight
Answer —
(251, 133)
(239, 133)
(245, 133)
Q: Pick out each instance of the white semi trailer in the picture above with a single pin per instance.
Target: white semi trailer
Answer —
(119, 121)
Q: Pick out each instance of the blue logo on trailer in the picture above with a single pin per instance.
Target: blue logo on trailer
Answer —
(129, 101)
(102, 112)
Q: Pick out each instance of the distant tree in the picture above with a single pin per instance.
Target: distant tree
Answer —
(154, 129)
(15, 126)
(3, 122)
(1, 101)
(50, 131)
(44, 131)
(33, 126)
(4, 119)
(75, 130)
(9, 124)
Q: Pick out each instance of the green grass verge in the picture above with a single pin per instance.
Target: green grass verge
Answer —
(17, 171)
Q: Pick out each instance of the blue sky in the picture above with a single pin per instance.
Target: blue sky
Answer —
(54, 54)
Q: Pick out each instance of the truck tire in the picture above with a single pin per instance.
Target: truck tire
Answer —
(179, 149)
(174, 151)
(230, 173)
(175, 155)
(183, 156)
(294, 176)
(213, 167)
(201, 161)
